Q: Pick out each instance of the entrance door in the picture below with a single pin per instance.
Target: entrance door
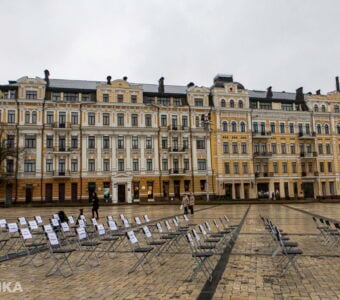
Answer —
(237, 190)
(121, 193)
(177, 189)
(286, 190)
(61, 192)
(91, 188)
(74, 191)
(166, 189)
(28, 193)
(228, 191)
(308, 189)
(246, 191)
(48, 192)
(9, 193)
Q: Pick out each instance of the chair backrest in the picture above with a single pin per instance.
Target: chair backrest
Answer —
(175, 222)
(94, 221)
(22, 221)
(159, 227)
(81, 223)
(190, 241)
(12, 227)
(48, 228)
(327, 223)
(226, 218)
(109, 218)
(126, 223)
(132, 237)
(207, 225)
(3, 223)
(202, 229)
(38, 219)
(100, 229)
(65, 227)
(196, 235)
(56, 216)
(186, 218)
(122, 217)
(54, 222)
(112, 225)
(33, 225)
(146, 218)
(53, 239)
(82, 217)
(71, 220)
(167, 224)
(81, 232)
(176, 218)
(138, 221)
(321, 220)
(216, 224)
(147, 232)
(25, 233)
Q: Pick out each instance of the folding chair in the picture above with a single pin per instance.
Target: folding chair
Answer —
(39, 220)
(32, 248)
(138, 221)
(67, 236)
(159, 244)
(59, 254)
(3, 238)
(86, 246)
(110, 240)
(71, 222)
(136, 250)
(171, 238)
(202, 260)
(202, 246)
(14, 240)
(22, 221)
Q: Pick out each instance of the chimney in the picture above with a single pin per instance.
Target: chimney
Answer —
(337, 83)
(299, 94)
(108, 78)
(190, 84)
(318, 92)
(269, 93)
(161, 85)
(47, 79)
(125, 78)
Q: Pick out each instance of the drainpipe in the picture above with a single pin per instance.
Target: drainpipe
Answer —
(81, 151)
(191, 153)
(17, 148)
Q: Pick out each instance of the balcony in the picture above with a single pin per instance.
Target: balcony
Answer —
(178, 127)
(178, 172)
(263, 174)
(62, 149)
(61, 174)
(307, 136)
(58, 125)
(177, 149)
(263, 154)
(262, 135)
(308, 154)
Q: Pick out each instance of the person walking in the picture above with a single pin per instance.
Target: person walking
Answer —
(95, 205)
(185, 203)
(191, 202)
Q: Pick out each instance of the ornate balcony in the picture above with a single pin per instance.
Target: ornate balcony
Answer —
(263, 154)
(177, 149)
(307, 136)
(61, 174)
(178, 172)
(308, 155)
(59, 125)
(262, 135)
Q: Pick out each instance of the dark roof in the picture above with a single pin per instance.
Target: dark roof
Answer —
(276, 95)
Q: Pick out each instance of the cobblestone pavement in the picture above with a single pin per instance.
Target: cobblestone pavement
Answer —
(251, 272)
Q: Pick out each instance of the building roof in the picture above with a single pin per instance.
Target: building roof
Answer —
(276, 95)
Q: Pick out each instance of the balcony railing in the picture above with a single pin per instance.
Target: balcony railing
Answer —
(62, 149)
(308, 154)
(262, 135)
(61, 125)
(264, 174)
(61, 173)
(303, 135)
(177, 149)
(178, 171)
(263, 154)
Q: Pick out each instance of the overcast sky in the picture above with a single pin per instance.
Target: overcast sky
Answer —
(282, 43)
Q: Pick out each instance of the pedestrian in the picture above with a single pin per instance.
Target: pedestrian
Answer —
(185, 203)
(95, 205)
(191, 202)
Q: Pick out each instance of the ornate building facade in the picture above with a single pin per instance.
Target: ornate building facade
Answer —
(143, 142)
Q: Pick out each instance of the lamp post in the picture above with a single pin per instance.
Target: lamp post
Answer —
(205, 121)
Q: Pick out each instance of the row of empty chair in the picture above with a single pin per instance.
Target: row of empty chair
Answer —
(329, 232)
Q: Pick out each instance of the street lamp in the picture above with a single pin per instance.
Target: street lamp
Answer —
(205, 121)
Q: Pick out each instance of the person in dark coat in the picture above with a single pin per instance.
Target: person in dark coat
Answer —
(95, 205)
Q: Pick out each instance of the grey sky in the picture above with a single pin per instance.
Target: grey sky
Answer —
(283, 43)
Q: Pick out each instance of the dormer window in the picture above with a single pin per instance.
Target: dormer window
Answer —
(198, 101)
(120, 98)
(105, 97)
(55, 96)
(71, 97)
(133, 98)
(31, 94)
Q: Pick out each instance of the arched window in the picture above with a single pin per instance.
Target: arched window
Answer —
(326, 129)
(323, 108)
(336, 108)
(318, 128)
(232, 103)
(316, 108)
(243, 127)
(225, 126)
(240, 104)
(222, 103)
(34, 117)
(27, 117)
(233, 127)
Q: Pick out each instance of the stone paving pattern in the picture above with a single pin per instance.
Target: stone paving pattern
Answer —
(250, 273)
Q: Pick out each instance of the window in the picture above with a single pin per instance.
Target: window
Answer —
(293, 167)
(174, 122)
(225, 126)
(186, 164)
(244, 148)
(134, 120)
(232, 103)
(336, 108)
(120, 119)
(29, 166)
(91, 118)
(148, 100)
(320, 148)
(27, 117)
(106, 119)
(148, 142)
(177, 102)
(30, 141)
(331, 187)
(106, 165)
(202, 164)
(74, 142)
(322, 167)
(197, 121)
(235, 148)
(31, 94)
(164, 142)
(84, 97)
(309, 148)
(9, 165)
(106, 97)
(185, 121)
(120, 98)
(328, 148)
(106, 142)
(149, 164)
(255, 127)
(300, 128)
(240, 104)
(71, 97)
(274, 148)
(49, 141)
(120, 165)
(223, 103)
(272, 127)
(318, 128)
(338, 129)
(11, 116)
(34, 117)
(326, 129)
(236, 171)
(275, 168)
(284, 167)
(245, 168)
(291, 128)
(292, 148)
(120, 142)
(200, 144)
(287, 106)
(135, 142)
(256, 148)
(133, 98)
(10, 141)
(282, 127)
(74, 165)
(62, 143)
(265, 106)
(163, 120)
(263, 127)
(226, 168)
(163, 101)
(323, 108)
(135, 165)
(165, 165)
(283, 149)
(316, 108)
(55, 96)
(198, 102)
(91, 165)
(225, 147)
(253, 104)
(310, 167)
(92, 142)
(233, 127)
(49, 165)
(74, 118)
(148, 122)
(243, 127)
(330, 167)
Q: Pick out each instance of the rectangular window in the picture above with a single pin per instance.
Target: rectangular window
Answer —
(91, 165)
(149, 164)
(236, 170)
(292, 148)
(245, 168)
(31, 95)
(148, 142)
(186, 164)
(74, 165)
(322, 167)
(265, 105)
(163, 120)
(177, 102)
(307, 129)
(92, 142)
(330, 167)
(291, 128)
(274, 148)
(164, 143)
(29, 166)
(225, 147)
(74, 142)
(30, 141)
(284, 167)
(49, 165)
(49, 141)
(135, 165)
(74, 118)
(120, 98)
(106, 119)
(320, 148)
(134, 120)
(272, 127)
(287, 106)
(283, 149)
(235, 148)
(55, 96)
(226, 168)
(10, 141)
(202, 164)
(310, 167)
(148, 122)
(120, 142)
(185, 143)
(282, 127)
(135, 142)
(133, 98)
(200, 144)
(11, 116)
(331, 187)
(106, 142)
(106, 165)
(10, 166)
(294, 167)
(275, 167)
(309, 148)
(165, 165)
(91, 118)
(244, 148)
(71, 97)
(198, 102)
(106, 97)
(120, 119)
(185, 121)
(328, 148)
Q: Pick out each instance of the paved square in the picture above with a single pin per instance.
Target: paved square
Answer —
(250, 273)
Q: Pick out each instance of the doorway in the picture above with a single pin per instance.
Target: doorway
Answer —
(9, 193)
(48, 192)
(246, 191)
(91, 188)
(61, 192)
(177, 189)
(228, 191)
(121, 193)
(28, 193)
(308, 189)
(74, 191)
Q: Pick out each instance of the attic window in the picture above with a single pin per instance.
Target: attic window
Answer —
(231, 89)
(31, 94)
